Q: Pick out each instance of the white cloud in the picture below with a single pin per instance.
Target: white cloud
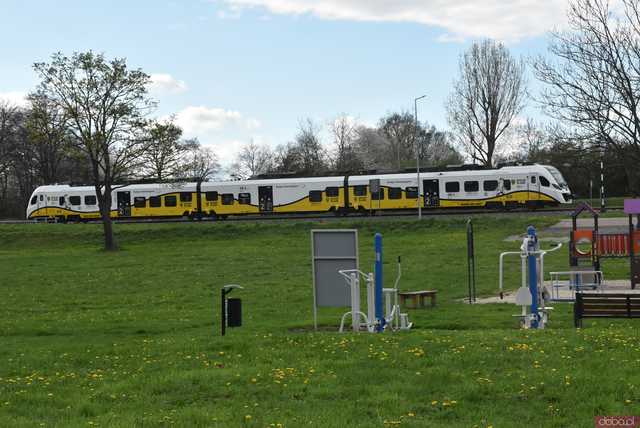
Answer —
(14, 98)
(509, 20)
(166, 83)
(227, 151)
(223, 130)
(202, 120)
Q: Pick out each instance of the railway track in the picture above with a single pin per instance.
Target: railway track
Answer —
(331, 217)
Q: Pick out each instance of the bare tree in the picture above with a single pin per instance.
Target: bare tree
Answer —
(253, 159)
(371, 148)
(286, 159)
(47, 129)
(488, 95)
(311, 154)
(344, 132)
(105, 103)
(399, 130)
(199, 163)
(162, 158)
(593, 82)
(8, 125)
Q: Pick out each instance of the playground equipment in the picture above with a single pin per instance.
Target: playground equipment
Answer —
(230, 309)
(588, 246)
(374, 320)
(531, 295)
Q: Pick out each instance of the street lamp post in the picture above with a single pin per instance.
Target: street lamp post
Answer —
(415, 137)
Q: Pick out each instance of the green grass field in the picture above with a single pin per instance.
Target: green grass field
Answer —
(132, 338)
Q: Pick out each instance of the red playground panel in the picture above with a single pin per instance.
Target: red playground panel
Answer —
(613, 245)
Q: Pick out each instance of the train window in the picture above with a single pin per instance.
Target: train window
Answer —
(140, 202)
(533, 179)
(452, 187)
(544, 182)
(155, 202)
(90, 200)
(41, 198)
(185, 196)
(170, 201)
(244, 198)
(360, 190)
(315, 196)
(411, 192)
(34, 200)
(211, 196)
(227, 199)
(490, 185)
(395, 193)
(75, 200)
(378, 196)
(506, 184)
(471, 186)
(61, 200)
(332, 192)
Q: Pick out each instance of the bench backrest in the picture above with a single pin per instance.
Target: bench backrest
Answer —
(608, 305)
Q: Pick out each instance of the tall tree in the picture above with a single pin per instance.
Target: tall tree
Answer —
(252, 159)
(311, 154)
(399, 130)
(487, 96)
(372, 148)
(593, 80)
(47, 129)
(162, 158)
(105, 103)
(199, 163)
(343, 130)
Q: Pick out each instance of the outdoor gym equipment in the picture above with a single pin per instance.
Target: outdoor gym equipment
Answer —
(530, 296)
(230, 309)
(374, 320)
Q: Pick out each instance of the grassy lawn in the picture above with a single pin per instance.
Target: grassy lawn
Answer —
(132, 338)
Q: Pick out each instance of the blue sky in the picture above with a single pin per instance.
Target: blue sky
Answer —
(233, 70)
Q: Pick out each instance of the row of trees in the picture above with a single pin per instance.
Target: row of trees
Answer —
(391, 145)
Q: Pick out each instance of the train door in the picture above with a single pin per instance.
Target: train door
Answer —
(265, 198)
(124, 204)
(431, 190)
(534, 189)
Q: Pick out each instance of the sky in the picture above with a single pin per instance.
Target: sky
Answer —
(233, 71)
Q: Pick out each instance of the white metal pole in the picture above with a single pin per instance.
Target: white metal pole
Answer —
(415, 136)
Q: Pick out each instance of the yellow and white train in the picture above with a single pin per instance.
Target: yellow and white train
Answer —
(530, 186)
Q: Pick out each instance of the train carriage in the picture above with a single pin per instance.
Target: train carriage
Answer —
(529, 186)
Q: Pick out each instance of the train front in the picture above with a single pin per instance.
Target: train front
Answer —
(559, 189)
(34, 203)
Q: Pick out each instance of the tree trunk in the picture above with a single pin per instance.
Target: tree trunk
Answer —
(104, 202)
(109, 240)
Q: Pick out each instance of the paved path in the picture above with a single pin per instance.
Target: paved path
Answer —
(610, 225)
(615, 285)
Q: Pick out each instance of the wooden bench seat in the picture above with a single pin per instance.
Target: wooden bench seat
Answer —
(417, 298)
(605, 305)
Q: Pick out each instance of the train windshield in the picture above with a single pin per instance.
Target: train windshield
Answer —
(557, 176)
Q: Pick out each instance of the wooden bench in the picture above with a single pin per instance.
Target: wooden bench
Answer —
(605, 305)
(417, 297)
